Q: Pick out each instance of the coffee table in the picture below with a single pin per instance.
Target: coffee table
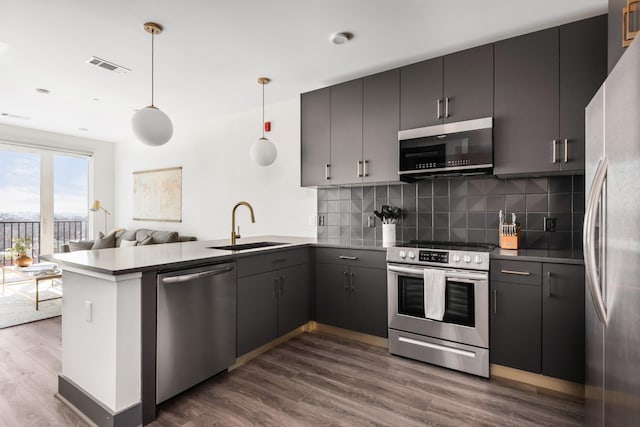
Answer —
(35, 273)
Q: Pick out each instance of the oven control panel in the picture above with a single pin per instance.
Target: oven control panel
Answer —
(434, 256)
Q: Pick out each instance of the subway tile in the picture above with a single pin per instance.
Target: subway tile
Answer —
(410, 220)
(577, 240)
(537, 185)
(368, 193)
(458, 204)
(515, 186)
(333, 232)
(395, 192)
(356, 219)
(333, 206)
(345, 218)
(395, 202)
(441, 187)
(425, 188)
(459, 235)
(477, 203)
(380, 203)
(536, 239)
(496, 202)
(441, 220)
(333, 218)
(345, 193)
(495, 186)
(410, 204)
(578, 183)
(356, 206)
(368, 205)
(323, 206)
(535, 221)
(356, 193)
(441, 204)
(345, 232)
(369, 233)
(410, 190)
(491, 236)
(356, 233)
(476, 236)
(382, 192)
(441, 234)
(458, 187)
(322, 233)
(536, 203)
(425, 220)
(476, 220)
(560, 184)
(578, 221)
(322, 194)
(563, 221)
(425, 233)
(425, 204)
(560, 240)
(333, 194)
(560, 202)
(492, 220)
(409, 233)
(458, 219)
(515, 202)
(578, 202)
(344, 206)
(477, 187)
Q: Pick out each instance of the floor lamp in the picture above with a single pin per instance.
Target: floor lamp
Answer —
(96, 206)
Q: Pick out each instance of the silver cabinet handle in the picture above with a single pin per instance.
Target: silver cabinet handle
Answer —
(517, 273)
(438, 115)
(366, 168)
(566, 150)
(588, 240)
(351, 258)
(554, 151)
(345, 280)
(548, 284)
(359, 168)
(446, 107)
(353, 288)
(327, 171)
(188, 277)
(495, 301)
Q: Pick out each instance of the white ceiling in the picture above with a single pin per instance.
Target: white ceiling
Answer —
(211, 52)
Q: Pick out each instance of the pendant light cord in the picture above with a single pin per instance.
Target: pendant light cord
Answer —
(152, 60)
(263, 111)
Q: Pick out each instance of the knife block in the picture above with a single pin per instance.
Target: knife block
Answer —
(510, 242)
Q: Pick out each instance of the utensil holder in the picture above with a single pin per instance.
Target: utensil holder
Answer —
(388, 235)
(510, 241)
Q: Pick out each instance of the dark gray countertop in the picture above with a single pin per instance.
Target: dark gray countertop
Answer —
(540, 255)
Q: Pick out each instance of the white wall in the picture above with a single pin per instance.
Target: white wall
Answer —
(103, 161)
(217, 173)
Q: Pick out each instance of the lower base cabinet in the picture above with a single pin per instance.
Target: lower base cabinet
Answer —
(271, 304)
(351, 290)
(537, 318)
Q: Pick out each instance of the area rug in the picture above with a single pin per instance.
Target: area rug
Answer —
(16, 309)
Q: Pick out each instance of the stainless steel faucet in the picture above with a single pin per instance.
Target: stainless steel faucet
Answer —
(235, 235)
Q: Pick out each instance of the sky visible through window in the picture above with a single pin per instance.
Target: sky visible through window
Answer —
(20, 181)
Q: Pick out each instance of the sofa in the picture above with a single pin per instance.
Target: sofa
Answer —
(123, 237)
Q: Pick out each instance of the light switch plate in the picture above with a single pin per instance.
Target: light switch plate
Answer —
(88, 311)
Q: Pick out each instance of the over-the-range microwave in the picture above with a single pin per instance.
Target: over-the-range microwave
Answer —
(460, 148)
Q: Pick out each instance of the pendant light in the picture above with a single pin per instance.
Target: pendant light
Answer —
(150, 125)
(262, 151)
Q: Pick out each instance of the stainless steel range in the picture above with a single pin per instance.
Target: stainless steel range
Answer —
(438, 295)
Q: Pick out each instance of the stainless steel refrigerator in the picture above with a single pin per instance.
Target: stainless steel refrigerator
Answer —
(612, 247)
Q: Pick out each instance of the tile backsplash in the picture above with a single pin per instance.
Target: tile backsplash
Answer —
(458, 209)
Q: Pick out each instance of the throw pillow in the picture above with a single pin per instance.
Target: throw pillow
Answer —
(125, 235)
(81, 245)
(147, 241)
(125, 243)
(164, 236)
(107, 241)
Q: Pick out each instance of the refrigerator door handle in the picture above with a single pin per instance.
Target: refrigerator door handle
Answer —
(592, 277)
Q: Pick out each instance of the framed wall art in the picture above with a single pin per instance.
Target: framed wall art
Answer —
(157, 195)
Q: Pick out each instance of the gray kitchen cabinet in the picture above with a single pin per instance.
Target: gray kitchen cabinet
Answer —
(563, 321)
(380, 122)
(272, 297)
(346, 165)
(537, 317)
(315, 137)
(452, 88)
(351, 290)
(543, 82)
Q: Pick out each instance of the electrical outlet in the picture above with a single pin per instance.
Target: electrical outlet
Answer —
(371, 221)
(549, 224)
(321, 220)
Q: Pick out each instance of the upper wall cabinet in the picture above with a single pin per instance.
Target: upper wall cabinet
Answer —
(346, 133)
(452, 88)
(543, 82)
(315, 136)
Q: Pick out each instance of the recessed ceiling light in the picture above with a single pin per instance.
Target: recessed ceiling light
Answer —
(95, 99)
(341, 38)
(83, 129)
(43, 91)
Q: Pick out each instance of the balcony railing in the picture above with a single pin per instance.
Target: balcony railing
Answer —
(63, 232)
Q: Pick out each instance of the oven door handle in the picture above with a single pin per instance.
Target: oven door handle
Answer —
(449, 275)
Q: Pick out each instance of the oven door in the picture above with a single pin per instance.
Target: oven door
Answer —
(466, 318)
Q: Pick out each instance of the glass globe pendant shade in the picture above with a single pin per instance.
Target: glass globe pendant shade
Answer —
(152, 126)
(263, 152)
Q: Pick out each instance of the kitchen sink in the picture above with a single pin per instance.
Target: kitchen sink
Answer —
(247, 246)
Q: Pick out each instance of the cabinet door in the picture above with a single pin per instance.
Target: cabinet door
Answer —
(315, 136)
(583, 68)
(515, 326)
(526, 103)
(563, 321)
(468, 84)
(346, 132)
(293, 299)
(257, 311)
(368, 300)
(420, 92)
(381, 110)
(332, 297)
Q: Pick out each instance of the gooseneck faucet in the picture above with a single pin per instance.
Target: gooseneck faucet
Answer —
(235, 235)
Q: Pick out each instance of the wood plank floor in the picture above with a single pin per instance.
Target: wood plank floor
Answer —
(314, 379)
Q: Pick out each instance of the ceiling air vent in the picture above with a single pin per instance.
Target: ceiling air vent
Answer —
(109, 66)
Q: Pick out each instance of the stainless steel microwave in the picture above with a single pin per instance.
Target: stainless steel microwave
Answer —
(464, 148)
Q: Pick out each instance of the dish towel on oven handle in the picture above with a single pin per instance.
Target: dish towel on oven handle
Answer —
(434, 293)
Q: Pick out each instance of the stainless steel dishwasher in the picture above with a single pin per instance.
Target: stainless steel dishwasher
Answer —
(196, 327)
